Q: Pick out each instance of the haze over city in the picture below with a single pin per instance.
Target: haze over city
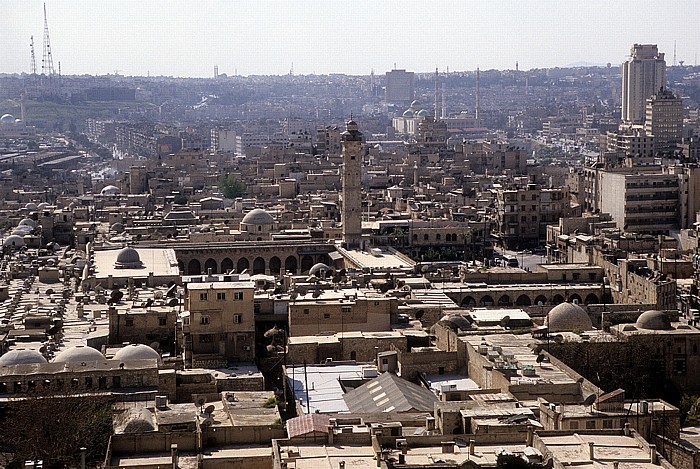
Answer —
(247, 37)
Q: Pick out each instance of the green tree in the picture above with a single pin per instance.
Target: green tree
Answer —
(231, 186)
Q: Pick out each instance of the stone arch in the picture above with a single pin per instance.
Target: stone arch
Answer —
(523, 300)
(194, 267)
(540, 300)
(181, 266)
(486, 300)
(353, 355)
(306, 263)
(242, 264)
(437, 237)
(575, 298)
(323, 259)
(468, 301)
(504, 300)
(210, 264)
(259, 265)
(275, 265)
(290, 264)
(226, 265)
(591, 299)
(557, 299)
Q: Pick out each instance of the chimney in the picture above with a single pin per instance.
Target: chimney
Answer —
(627, 429)
(591, 451)
(652, 453)
(173, 455)
(530, 435)
(471, 447)
(448, 447)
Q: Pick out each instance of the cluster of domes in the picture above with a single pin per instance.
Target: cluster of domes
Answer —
(415, 110)
(136, 352)
(78, 354)
(568, 317)
(8, 120)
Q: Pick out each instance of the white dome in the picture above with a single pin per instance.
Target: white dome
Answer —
(30, 206)
(21, 357)
(7, 120)
(77, 354)
(109, 190)
(28, 222)
(568, 317)
(136, 352)
(258, 216)
(653, 320)
(14, 240)
(128, 258)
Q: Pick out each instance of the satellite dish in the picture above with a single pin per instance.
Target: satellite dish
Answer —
(49, 291)
(317, 293)
(209, 409)
(302, 290)
(590, 400)
(172, 302)
(158, 295)
(540, 358)
(207, 422)
(505, 321)
(200, 401)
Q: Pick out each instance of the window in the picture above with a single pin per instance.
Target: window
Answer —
(88, 382)
(607, 423)
(437, 237)
(346, 309)
(441, 370)
(237, 318)
(256, 307)
(306, 310)
(425, 237)
(220, 295)
(129, 321)
(238, 295)
(326, 315)
(206, 338)
(573, 425)
(204, 320)
(162, 321)
(203, 297)
(590, 424)
(117, 382)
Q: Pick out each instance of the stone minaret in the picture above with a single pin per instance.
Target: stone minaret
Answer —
(352, 186)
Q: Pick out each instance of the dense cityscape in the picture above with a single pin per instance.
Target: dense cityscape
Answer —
(403, 269)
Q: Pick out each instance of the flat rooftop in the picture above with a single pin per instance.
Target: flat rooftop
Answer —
(159, 261)
(324, 456)
(325, 393)
(573, 450)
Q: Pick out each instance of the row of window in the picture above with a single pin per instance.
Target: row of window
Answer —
(221, 296)
(59, 384)
(130, 321)
(237, 319)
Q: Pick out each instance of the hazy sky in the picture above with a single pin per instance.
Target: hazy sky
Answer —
(187, 38)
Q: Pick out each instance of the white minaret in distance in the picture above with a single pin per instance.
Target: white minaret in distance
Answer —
(352, 186)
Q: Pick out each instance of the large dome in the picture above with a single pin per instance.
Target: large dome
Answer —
(128, 258)
(653, 320)
(21, 357)
(77, 354)
(136, 352)
(7, 119)
(568, 317)
(28, 222)
(258, 216)
(14, 241)
(109, 190)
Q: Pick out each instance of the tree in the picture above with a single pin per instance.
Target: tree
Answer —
(53, 429)
(231, 186)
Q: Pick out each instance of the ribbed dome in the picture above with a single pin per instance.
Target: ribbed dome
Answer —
(77, 354)
(258, 216)
(128, 258)
(653, 320)
(21, 357)
(109, 190)
(568, 317)
(14, 241)
(27, 222)
(136, 352)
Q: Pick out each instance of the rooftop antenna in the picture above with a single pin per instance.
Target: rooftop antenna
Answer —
(478, 94)
(216, 72)
(47, 60)
(32, 65)
(516, 66)
(443, 114)
(674, 54)
(291, 70)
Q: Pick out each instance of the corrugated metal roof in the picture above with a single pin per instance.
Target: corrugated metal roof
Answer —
(389, 393)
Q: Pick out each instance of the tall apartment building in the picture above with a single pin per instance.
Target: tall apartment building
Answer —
(494, 157)
(643, 75)
(664, 120)
(399, 87)
(223, 140)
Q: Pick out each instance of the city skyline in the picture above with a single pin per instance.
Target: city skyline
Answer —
(312, 37)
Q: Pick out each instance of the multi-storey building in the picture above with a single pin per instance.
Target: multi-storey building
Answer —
(399, 87)
(664, 121)
(643, 75)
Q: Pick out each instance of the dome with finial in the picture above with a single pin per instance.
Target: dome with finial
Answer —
(128, 258)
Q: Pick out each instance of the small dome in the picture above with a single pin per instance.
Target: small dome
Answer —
(139, 421)
(128, 258)
(568, 317)
(42, 206)
(423, 113)
(30, 206)
(456, 321)
(14, 241)
(415, 104)
(258, 216)
(136, 352)
(77, 354)
(319, 268)
(28, 222)
(7, 119)
(109, 190)
(116, 227)
(654, 321)
(21, 357)
(22, 230)
(408, 113)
